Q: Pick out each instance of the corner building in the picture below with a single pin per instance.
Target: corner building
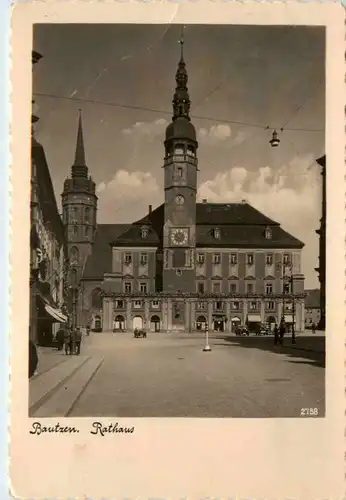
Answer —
(186, 265)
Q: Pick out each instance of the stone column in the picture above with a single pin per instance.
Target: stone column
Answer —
(128, 315)
(262, 311)
(146, 315)
(107, 314)
(164, 310)
(228, 316)
(210, 315)
(193, 315)
(187, 316)
(169, 314)
(244, 311)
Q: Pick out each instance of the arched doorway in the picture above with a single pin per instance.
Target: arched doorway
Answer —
(119, 323)
(97, 324)
(155, 324)
(218, 324)
(137, 322)
(201, 323)
(235, 323)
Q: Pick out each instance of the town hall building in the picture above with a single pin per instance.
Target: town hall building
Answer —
(184, 265)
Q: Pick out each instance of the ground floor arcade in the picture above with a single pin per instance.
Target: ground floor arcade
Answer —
(174, 314)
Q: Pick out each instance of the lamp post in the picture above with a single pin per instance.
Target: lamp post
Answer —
(290, 280)
(207, 347)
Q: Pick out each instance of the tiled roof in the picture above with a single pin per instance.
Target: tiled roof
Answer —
(312, 299)
(133, 236)
(100, 261)
(218, 214)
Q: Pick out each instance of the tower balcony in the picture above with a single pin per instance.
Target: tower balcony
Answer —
(181, 158)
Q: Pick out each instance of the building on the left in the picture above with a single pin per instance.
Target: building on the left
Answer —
(48, 263)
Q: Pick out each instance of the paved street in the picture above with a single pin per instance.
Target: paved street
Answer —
(168, 375)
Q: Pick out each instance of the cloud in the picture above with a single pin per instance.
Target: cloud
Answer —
(147, 129)
(215, 133)
(126, 196)
(290, 195)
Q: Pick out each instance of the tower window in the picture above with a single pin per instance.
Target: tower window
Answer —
(75, 230)
(87, 231)
(87, 214)
(180, 171)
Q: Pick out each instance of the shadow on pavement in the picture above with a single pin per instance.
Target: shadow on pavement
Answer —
(308, 351)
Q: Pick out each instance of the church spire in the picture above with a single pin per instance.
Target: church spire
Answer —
(79, 168)
(181, 99)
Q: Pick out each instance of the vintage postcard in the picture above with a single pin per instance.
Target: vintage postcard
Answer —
(177, 288)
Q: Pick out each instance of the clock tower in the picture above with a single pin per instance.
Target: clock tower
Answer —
(180, 182)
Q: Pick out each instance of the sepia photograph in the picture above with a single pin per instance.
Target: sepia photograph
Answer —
(178, 221)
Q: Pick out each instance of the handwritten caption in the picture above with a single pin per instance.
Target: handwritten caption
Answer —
(97, 428)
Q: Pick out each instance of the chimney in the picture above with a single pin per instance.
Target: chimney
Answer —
(150, 209)
(204, 200)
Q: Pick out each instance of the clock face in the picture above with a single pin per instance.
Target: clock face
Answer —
(179, 236)
(180, 199)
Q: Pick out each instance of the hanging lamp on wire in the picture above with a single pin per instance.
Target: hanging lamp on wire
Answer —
(274, 141)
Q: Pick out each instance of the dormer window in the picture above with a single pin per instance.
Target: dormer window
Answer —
(217, 233)
(144, 231)
(268, 233)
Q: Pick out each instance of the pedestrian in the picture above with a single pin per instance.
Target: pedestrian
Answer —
(78, 340)
(276, 334)
(67, 340)
(313, 328)
(60, 337)
(282, 332)
(33, 358)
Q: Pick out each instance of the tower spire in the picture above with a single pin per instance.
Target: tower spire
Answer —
(79, 168)
(181, 98)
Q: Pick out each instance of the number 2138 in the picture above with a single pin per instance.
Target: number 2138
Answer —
(309, 412)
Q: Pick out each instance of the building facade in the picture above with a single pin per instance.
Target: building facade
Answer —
(312, 308)
(47, 248)
(187, 265)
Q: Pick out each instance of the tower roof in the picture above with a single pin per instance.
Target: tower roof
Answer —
(181, 126)
(79, 168)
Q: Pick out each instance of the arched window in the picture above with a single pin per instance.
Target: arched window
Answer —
(87, 230)
(87, 214)
(73, 277)
(96, 298)
(74, 255)
(75, 230)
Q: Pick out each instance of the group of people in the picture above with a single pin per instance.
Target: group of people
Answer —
(69, 337)
(279, 333)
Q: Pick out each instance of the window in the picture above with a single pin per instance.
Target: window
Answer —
(143, 259)
(73, 277)
(74, 255)
(87, 231)
(216, 287)
(179, 171)
(235, 306)
(200, 305)
(87, 214)
(96, 298)
(219, 306)
(155, 304)
(137, 303)
(249, 259)
(271, 306)
(143, 287)
(233, 288)
(75, 230)
(217, 258)
(144, 232)
(200, 287)
(268, 233)
(233, 259)
(200, 258)
(253, 306)
(128, 287)
(250, 288)
(287, 288)
(128, 258)
(217, 233)
(269, 288)
(287, 259)
(119, 304)
(269, 259)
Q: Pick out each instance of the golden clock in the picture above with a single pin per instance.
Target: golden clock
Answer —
(179, 236)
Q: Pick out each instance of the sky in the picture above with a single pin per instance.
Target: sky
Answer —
(242, 79)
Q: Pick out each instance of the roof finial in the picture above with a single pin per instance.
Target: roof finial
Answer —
(79, 159)
(181, 41)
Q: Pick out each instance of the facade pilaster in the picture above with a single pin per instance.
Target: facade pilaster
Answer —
(210, 314)
(169, 314)
(228, 316)
(164, 309)
(188, 316)
(107, 314)
(146, 314)
(193, 315)
(128, 315)
(262, 310)
(244, 311)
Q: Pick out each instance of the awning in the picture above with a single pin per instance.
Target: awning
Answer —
(288, 318)
(56, 314)
(254, 318)
(236, 319)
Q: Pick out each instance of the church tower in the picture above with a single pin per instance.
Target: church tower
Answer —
(79, 203)
(180, 182)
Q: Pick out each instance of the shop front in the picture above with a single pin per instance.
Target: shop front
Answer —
(254, 323)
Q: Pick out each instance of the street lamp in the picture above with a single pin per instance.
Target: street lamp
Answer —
(288, 279)
(207, 347)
